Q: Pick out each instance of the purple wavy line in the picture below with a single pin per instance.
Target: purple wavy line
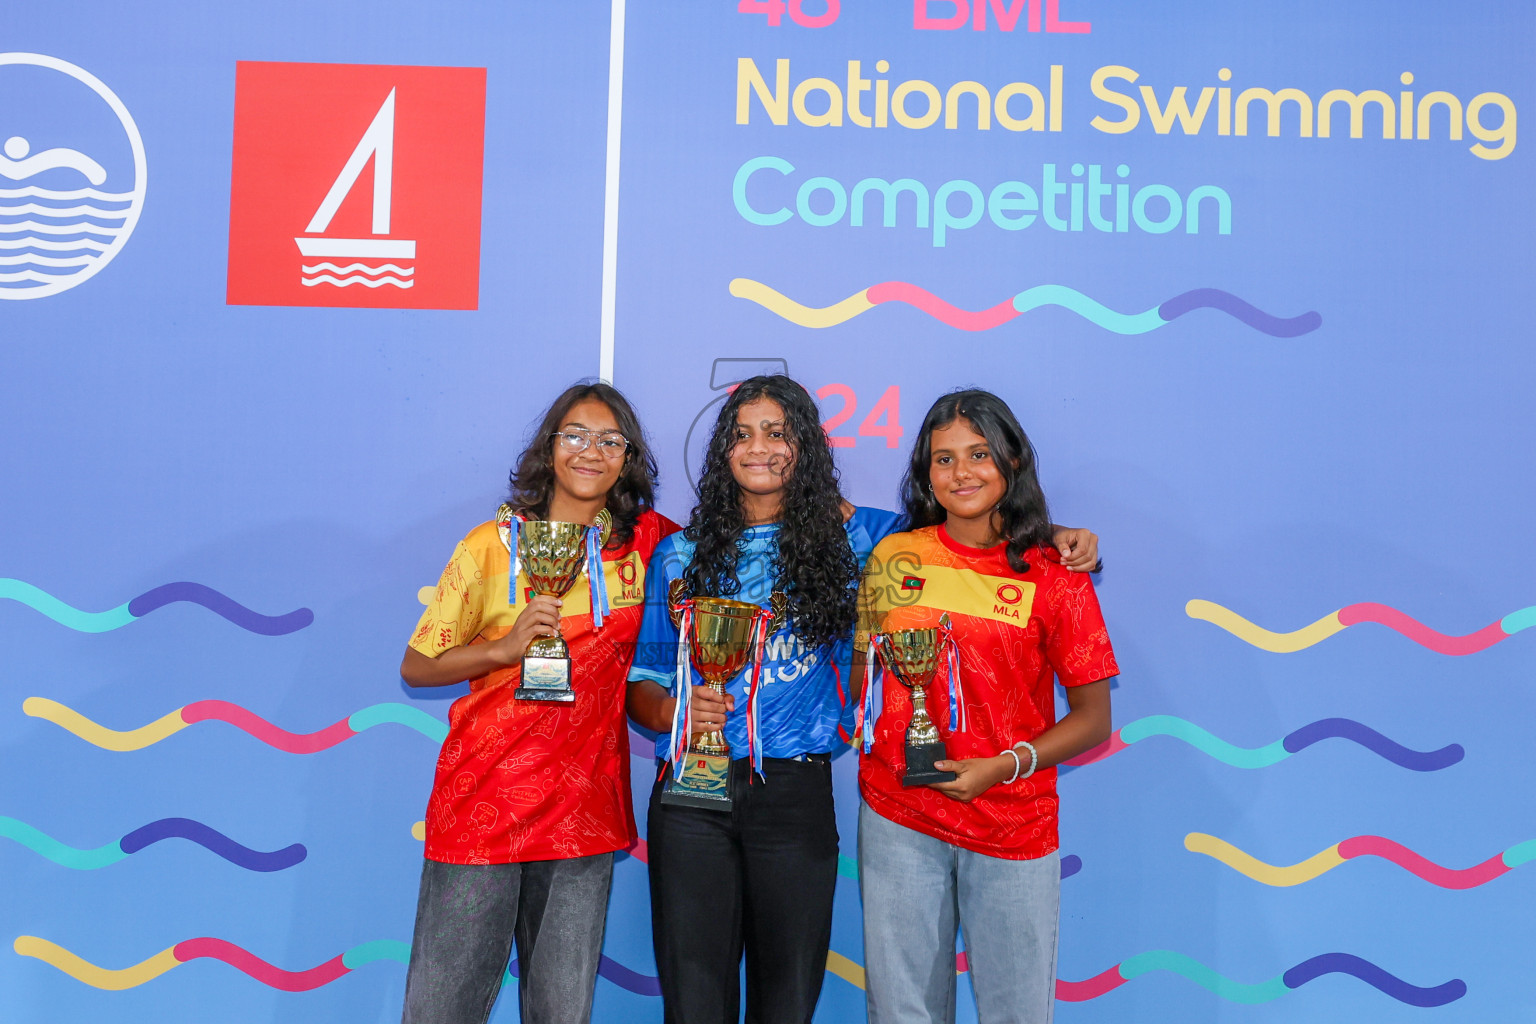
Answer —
(1376, 743)
(1240, 309)
(1071, 864)
(607, 967)
(1397, 988)
(215, 841)
(196, 593)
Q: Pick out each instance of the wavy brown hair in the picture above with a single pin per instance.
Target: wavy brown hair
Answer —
(634, 492)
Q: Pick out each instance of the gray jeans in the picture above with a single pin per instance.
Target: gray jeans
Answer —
(916, 889)
(466, 918)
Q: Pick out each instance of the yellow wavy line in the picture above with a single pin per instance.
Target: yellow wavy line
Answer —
(805, 316)
(108, 739)
(1279, 643)
(84, 970)
(845, 968)
(419, 831)
(1269, 874)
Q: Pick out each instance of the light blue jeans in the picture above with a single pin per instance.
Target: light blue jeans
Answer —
(916, 889)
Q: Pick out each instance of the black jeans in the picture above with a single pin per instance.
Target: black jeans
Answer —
(466, 918)
(758, 880)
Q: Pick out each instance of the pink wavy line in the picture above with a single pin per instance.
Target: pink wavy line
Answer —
(1420, 633)
(1089, 988)
(1108, 748)
(939, 309)
(1445, 878)
(249, 963)
(641, 851)
(240, 718)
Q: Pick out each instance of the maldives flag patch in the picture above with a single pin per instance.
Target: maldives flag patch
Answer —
(912, 582)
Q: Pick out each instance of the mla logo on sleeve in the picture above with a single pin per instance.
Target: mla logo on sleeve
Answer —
(356, 185)
(72, 175)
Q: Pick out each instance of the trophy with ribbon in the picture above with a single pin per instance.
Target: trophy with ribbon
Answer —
(553, 556)
(721, 636)
(913, 657)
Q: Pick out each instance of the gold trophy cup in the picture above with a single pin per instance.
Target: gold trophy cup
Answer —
(912, 656)
(553, 556)
(721, 643)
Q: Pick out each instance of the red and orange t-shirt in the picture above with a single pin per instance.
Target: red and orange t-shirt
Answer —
(1015, 632)
(529, 780)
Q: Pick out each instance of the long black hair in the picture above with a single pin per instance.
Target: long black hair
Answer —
(1026, 521)
(533, 478)
(813, 564)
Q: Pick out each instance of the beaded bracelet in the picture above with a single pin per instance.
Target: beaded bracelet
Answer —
(1034, 758)
(1016, 764)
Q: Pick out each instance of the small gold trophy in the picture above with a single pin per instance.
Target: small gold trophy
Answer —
(553, 556)
(912, 656)
(721, 643)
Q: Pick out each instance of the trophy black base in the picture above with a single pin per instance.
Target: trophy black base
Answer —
(705, 783)
(920, 769)
(546, 679)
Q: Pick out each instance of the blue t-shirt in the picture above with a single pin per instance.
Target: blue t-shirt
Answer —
(799, 708)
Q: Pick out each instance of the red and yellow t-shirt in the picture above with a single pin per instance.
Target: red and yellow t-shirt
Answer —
(528, 780)
(1015, 631)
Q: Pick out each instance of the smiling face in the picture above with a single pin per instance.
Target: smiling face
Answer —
(586, 475)
(967, 482)
(763, 456)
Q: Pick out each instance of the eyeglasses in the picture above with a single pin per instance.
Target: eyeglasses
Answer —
(609, 444)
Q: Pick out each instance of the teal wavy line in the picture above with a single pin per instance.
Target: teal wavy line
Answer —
(847, 867)
(1197, 972)
(399, 714)
(1214, 746)
(399, 952)
(66, 856)
(383, 949)
(1520, 854)
(45, 603)
(1514, 622)
(1087, 308)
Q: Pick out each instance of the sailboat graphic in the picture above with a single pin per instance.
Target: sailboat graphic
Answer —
(377, 142)
(54, 236)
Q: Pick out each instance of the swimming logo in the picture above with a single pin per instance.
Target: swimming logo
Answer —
(72, 175)
(356, 185)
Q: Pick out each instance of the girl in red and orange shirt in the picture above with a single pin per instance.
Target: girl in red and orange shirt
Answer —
(979, 851)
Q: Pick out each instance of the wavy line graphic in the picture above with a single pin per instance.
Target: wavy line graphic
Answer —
(241, 718)
(78, 210)
(32, 242)
(1072, 991)
(34, 192)
(48, 261)
(1359, 846)
(1260, 992)
(342, 282)
(1272, 753)
(171, 593)
(211, 839)
(1351, 615)
(1088, 308)
(248, 963)
(364, 267)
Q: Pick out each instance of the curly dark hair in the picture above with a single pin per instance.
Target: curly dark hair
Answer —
(1026, 521)
(533, 478)
(813, 563)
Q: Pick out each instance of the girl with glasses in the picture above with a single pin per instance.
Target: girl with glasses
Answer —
(531, 798)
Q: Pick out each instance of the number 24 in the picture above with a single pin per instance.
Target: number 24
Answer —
(888, 407)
